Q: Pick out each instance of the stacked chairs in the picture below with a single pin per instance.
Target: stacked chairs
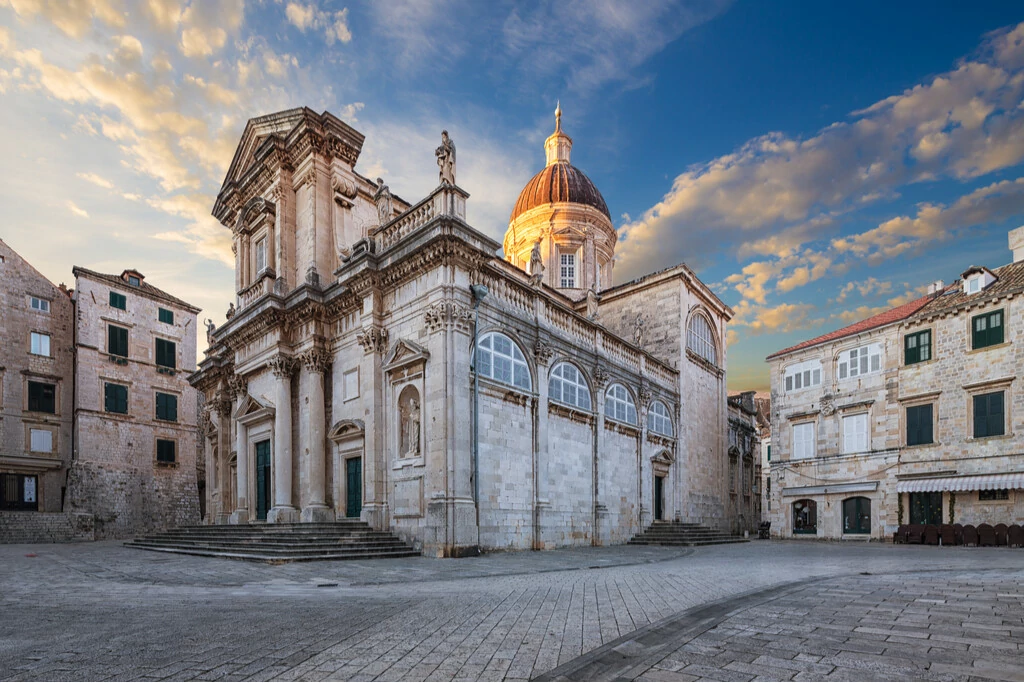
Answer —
(1001, 531)
(930, 536)
(947, 534)
(986, 535)
(1015, 536)
(970, 535)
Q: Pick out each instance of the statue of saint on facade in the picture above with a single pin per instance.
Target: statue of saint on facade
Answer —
(383, 200)
(409, 412)
(231, 311)
(210, 327)
(638, 330)
(445, 154)
(536, 265)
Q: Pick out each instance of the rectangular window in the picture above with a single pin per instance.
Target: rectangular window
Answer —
(988, 415)
(803, 375)
(165, 316)
(118, 301)
(115, 398)
(117, 341)
(987, 329)
(41, 440)
(803, 441)
(40, 344)
(42, 397)
(855, 433)
(994, 494)
(166, 407)
(164, 450)
(166, 353)
(860, 361)
(917, 347)
(769, 453)
(134, 281)
(919, 425)
(568, 270)
(18, 492)
(37, 304)
(261, 255)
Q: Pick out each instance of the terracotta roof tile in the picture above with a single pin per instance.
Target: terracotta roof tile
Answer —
(882, 319)
(1009, 280)
(143, 287)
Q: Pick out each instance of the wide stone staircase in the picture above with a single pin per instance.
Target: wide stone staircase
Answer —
(347, 539)
(682, 533)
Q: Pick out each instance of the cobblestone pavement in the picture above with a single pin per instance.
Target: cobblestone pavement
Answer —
(104, 612)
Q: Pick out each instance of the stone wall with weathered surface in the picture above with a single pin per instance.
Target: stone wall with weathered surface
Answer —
(115, 475)
(43, 527)
(19, 281)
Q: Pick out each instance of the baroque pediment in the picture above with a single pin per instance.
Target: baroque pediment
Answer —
(405, 353)
(252, 410)
(345, 429)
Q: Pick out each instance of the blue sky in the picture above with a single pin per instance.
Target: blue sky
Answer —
(814, 162)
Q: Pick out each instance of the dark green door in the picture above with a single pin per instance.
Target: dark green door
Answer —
(857, 515)
(659, 494)
(262, 479)
(926, 508)
(354, 487)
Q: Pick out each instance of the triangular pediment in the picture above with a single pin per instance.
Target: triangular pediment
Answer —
(250, 407)
(404, 353)
(663, 458)
(344, 429)
(256, 131)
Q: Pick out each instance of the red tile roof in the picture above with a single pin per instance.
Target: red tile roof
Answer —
(893, 315)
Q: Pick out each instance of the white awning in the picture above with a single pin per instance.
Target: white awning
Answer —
(981, 482)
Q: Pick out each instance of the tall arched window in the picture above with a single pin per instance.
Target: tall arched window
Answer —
(700, 339)
(499, 358)
(567, 385)
(658, 420)
(618, 404)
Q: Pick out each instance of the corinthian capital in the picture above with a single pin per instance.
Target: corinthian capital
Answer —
(281, 366)
(373, 339)
(316, 360)
(238, 386)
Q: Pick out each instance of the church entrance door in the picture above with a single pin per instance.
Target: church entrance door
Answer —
(262, 479)
(353, 487)
(659, 497)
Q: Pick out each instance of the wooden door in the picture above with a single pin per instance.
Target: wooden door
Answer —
(353, 487)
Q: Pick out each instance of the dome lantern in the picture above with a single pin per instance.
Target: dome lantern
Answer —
(558, 145)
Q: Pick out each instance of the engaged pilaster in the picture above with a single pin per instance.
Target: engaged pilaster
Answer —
(239, 388)
(284, 511)
(315, 363)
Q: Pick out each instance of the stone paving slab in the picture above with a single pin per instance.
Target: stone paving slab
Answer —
(104, 612)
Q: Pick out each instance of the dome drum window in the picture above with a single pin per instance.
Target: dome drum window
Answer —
(658, 419)
(618, 405)
(567, 386)
(701, 340)
(499, 358)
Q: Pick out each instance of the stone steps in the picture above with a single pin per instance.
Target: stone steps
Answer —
(683, 534)
(343, 540)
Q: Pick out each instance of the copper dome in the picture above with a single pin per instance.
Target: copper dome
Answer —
(559, 182)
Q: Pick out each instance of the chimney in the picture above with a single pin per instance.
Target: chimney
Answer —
(936, 287)
(1017, 244)
(747, 399)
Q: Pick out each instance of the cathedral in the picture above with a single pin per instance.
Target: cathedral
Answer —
(382, 361)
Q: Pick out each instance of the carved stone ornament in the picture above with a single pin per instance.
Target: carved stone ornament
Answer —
(344, 186)
(373, 339)
(281, 366)
(645, 397)
(222, 404)
(828, 407)
(238, 385)
(543, 351)
(316, 360)
(601, 376)
(446, 314)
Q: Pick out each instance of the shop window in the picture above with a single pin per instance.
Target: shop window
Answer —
(805, 517)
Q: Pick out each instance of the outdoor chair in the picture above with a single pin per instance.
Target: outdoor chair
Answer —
(986, 535)
(901, 534)
(1001, 530)
(931, 535)
(970, 535)
(947, 534)
(915, 533)
(958, 533)
(764, 530)
(1015, 536)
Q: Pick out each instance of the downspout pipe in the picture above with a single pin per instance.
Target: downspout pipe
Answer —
(479, 294)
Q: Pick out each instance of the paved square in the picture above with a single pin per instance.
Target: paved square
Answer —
(775, 610)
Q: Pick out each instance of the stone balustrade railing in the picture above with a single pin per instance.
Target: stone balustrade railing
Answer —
(446, 200)
(264, 285)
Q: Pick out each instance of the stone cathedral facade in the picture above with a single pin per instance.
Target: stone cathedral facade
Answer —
(344, 382)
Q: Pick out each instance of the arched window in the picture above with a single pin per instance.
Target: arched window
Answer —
(618, 404)
(857, 515)
(499, 358)
(568, 386)
(700, 339)
(805, 517)
(658, 420)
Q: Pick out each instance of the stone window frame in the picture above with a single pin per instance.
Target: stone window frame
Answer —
(916, 333)
(1003, 384)
(583, 383)
(577, 262)
(116, 381)
(54, 430)
(49, 343)
(667, 417)
(986, 311)
(127, 327)
(843, 415)
(914, 401)
(42, 379)
(629, 403)
(800, 422)
(177, 350)
(42, 300)
(176, 393)
(157, 438)
(868, 354)
(698, 344)
(530, 369)
(800, 368)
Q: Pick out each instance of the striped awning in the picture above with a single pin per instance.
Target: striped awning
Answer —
(981, 482)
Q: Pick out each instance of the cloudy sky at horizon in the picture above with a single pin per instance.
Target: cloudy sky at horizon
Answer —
(814, 163)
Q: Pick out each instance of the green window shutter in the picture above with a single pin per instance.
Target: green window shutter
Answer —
(115, 398)
(925, 422)
(995, 414)
(995, 328)
(166, 353)
(117, 341)
(909, 349)
(108, 398)
(980, 416)
(167, 407)
(913, 426)
(166, 316)
(118, 300)
(164, 450)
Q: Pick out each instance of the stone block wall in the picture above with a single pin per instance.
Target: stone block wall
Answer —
(43, 527)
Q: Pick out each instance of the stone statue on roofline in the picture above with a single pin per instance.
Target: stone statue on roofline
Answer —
(210, 327)
(445, 154)
(231, 311)
(638, 330)
(383, 200)
(536, 265)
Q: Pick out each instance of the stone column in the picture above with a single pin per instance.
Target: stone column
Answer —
(283, 511)
(601, 379)
(224, 503)
(541, 504)
(374, 341)
(645, 511)
(239, 388)
(315, 363)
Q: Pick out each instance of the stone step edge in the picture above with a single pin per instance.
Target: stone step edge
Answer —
(277, 560)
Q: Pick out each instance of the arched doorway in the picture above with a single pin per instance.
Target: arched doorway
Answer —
(661, 465)
(805, 516)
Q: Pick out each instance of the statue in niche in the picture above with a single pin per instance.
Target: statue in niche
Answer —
(409, 423)
(445, 154)
(383, 200)
(210, 327)
(638, 330)
(536, 265)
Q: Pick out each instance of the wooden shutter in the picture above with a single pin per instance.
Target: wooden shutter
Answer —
(995, 414)
(980, 416)
(913, 426)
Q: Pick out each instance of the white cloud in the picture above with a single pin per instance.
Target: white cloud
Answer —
(81, 213)
(96, 180)
(305, 17)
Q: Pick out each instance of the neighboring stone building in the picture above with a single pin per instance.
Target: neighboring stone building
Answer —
(744, 463)
(921, 400)
(343, 383)
(133, 466)
(36, 380)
